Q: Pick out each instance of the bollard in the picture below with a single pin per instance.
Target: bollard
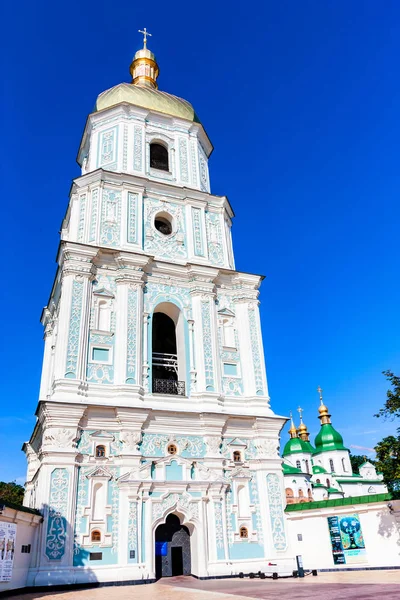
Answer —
(314, 572)
(275, 575)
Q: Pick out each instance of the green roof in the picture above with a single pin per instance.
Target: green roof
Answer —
(318, 469)
(288, 469)
(332, 490)
(328, 439)
(339, 502)
(296, 446)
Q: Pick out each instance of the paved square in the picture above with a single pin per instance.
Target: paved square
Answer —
(358, 585)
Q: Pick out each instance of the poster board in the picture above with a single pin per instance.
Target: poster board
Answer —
(347, 540)
(8, 534)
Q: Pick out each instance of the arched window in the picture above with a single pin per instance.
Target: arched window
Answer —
(309, 493)
(96, 536)
(159, 157)
(172, 449)
(307, 466)
(100, 451)
(331, 465)
(318, 481)
(237, 457)
(103, 320)
(328, 483)
(289, 496)
(243, 533)
(298, 464)
(344, 465)
(301, 494)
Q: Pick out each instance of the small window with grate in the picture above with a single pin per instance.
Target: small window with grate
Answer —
(100, 451)
(159, 157)
(95, 556)
(172, 449)
(237, 457)
(243, 533)
(96, 536)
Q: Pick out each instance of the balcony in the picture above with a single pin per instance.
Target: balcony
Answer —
(169, 386)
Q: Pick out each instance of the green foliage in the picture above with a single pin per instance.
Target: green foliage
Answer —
(388, 450)
(388, 455)
(391, 407)
(357, 460)
(11, 492)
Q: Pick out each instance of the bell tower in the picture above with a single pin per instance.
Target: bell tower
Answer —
(153, 397)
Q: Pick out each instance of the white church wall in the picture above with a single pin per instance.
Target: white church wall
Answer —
(24, 548)
(380, 529)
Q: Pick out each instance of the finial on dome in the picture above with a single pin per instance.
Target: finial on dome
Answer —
(303, 433)
(292, 430)
(324, 415)
(144, 68)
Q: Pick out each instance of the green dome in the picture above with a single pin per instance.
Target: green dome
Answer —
(328, 439)
(295, 446)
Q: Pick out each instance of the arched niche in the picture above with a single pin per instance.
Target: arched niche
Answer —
(170, 316)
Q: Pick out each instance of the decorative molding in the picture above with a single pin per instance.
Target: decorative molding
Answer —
(183, 160)
(197, 232)
(57, 517)
(179, 501)
(110, 217)
(82, 214)
(207, 345)
(255, 351)
(137, 149)
(276, 511)
(132, 217)
(214, 238)
(131, 375)
(133, 531)
(74, 330)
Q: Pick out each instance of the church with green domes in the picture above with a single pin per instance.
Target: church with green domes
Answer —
(324, 471)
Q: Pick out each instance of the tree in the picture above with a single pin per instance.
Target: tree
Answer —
(388, 455)
(11, 492)
(391, 408)
(357, 460)
(388, 450)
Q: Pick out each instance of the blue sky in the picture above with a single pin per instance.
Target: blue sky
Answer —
(301, 101)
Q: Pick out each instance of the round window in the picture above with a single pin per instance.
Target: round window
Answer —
(163, 224)
(172, 449)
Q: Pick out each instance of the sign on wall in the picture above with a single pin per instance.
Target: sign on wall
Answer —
(8, 533)
(347, 540)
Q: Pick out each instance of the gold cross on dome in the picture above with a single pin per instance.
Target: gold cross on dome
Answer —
(145, 34)
(300, 411)
(320, 390)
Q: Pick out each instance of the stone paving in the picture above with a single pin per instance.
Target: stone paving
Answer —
(358, 585)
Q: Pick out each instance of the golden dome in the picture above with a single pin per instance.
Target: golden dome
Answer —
(147, 97)
(302, 428)
(322, 409)
(292, 430)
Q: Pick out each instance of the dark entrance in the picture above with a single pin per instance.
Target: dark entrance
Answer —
(172, 548)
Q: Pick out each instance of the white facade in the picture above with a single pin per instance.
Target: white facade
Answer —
(99, 460)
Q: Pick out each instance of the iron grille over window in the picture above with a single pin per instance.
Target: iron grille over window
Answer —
(168, 386)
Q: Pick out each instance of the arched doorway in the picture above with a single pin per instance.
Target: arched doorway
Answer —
(172, 542)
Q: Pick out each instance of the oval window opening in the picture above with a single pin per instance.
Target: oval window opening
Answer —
(163, 225)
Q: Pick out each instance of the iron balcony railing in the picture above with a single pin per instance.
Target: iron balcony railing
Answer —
(168, 361)
(168, 386)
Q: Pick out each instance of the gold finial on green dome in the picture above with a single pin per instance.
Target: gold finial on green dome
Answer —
(324, 415)
(144, 68)
(292, 430)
